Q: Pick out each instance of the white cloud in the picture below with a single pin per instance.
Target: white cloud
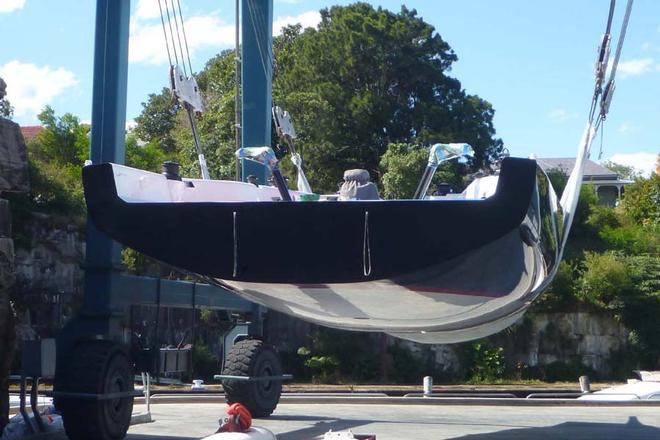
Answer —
(626, 127)
(635, 67)
(30, 87)
(306, 19)
(11, 5)
(147, 9)
(561, 115)
(147, 42)
(642, 161)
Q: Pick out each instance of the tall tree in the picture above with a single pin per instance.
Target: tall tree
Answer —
(157, 120)
(373, 77)
(64, 140)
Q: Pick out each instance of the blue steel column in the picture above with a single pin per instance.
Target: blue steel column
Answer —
(103, 256)
(257, 71)
(257, 96)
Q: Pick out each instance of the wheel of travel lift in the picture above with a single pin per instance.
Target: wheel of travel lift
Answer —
(97, 367)
(254, 358)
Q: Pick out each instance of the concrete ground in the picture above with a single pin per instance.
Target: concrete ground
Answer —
(309, 421)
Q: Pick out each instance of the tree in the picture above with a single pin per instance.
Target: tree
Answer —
(157, 120)
(623, 171)
(6, 109)
(605, 278)
(64, 140)
(372, 77)
(145, 157)
(641, 201)
(402, 167)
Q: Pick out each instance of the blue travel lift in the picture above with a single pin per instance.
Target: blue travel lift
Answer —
(97, 353)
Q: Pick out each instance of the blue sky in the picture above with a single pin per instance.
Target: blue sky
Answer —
(532, 60)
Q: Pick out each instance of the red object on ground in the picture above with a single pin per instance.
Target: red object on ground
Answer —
(238, 419)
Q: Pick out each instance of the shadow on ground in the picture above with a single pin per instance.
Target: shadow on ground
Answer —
(633, 429)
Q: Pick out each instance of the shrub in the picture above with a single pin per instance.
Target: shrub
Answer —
(605, 278)
(205, 363)
(488, 362)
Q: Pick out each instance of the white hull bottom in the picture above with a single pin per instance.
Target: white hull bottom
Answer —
(427, 306)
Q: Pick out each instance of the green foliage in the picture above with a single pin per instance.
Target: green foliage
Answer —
(641, 201)
(369, 77)
(53, 190)
(487, 362)
(157, 120)
(135, 262)
(403, 166)
(558, 178)
(55, 162)
(6, 109)
(146, 157)
(623, 171)
(323, 368)
(641, 307)
(205, 363)
(64, 141)
(601, 217)
(604, 278)
(206, 316)
(561, 293)
(586, 201)
(632, 238)
(334, 355)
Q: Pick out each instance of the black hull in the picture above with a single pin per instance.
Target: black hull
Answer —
(310, 242)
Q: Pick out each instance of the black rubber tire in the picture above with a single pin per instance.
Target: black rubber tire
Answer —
(252, 357)
(97, 367)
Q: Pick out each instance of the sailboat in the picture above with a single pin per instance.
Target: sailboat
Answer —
(426, 269)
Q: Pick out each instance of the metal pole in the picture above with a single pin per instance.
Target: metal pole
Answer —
(257, 70)
(237, 98)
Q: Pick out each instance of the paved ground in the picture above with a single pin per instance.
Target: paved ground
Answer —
(308, 421)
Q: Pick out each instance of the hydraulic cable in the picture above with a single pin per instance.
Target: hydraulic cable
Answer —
(167, 46)
(185, 39)
(169, 22)
(178, 37)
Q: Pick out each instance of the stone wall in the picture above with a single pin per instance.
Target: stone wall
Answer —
(585, 337)
(538, 340)
(49, 274)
